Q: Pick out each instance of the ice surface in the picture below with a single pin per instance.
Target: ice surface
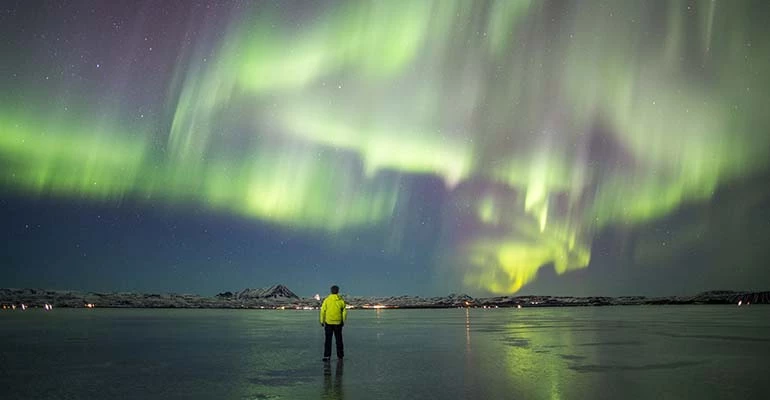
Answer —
(556, 353)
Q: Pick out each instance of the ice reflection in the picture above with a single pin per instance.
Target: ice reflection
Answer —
(590, 353)
(531, 345)
(467, 331)
(333, 389)
(532, 353)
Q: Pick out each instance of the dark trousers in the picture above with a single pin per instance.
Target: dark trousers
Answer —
(335, 330)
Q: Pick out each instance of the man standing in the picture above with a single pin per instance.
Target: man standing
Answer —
(333, 315)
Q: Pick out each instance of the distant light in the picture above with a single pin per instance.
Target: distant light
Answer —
(740, 302)
(518, 306)
(317, 296)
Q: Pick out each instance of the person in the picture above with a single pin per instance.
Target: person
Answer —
(332, 317)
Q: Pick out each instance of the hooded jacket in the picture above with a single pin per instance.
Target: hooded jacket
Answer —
(333, 311)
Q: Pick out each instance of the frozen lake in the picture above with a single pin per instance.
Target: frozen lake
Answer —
(638, 352)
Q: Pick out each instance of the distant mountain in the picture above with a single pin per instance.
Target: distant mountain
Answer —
(272, 292)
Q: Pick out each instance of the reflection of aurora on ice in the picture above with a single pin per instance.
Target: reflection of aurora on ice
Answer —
(541, 131)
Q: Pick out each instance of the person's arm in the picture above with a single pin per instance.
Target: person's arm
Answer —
(344, 312)
(322, 314)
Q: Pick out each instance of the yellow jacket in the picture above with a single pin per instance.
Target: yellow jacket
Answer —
(333, 311)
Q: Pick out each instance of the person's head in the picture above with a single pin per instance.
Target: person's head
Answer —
(335, 289)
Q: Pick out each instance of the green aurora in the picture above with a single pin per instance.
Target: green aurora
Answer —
(573, 122)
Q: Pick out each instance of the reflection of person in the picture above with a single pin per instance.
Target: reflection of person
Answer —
(333, 315)
(333, 389)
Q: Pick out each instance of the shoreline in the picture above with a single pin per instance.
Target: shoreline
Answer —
(41, 298)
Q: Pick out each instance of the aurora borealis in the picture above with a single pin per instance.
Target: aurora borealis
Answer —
(420, 146)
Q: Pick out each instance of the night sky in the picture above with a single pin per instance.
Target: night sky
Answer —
(391, 147)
